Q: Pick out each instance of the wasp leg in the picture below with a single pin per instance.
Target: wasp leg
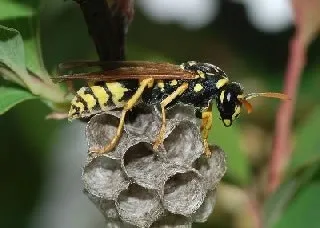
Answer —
(164, 103)
(206, 117)
(148, 82)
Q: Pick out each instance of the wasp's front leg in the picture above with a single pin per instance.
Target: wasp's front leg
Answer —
(206, 123)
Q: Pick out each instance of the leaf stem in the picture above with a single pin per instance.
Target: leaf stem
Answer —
(281, 143)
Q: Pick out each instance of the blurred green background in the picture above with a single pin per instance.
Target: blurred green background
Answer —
(248, 40)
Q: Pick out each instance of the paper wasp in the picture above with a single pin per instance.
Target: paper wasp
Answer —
(125, 84)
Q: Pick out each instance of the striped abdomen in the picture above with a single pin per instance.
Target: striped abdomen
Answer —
(101, 97)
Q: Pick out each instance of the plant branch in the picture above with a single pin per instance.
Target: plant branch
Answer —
(307, 23)
(255, 210)
(107, 23)
(281, 143)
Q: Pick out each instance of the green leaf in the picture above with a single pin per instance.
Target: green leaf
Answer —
(10, 96)
(12, 51)
(11, 9)
(228, 138)
(33, 54)
(13, 66)
(296, 203)
(304, 210)
(22, 16)
(284, 205)
(280, 201)
(28, 28)
(307, 147)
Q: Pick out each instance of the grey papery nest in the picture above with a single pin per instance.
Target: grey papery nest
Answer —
(134, 186)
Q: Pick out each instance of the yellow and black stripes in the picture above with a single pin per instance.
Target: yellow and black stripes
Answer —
(100, 97)
(134, 99)
(193, 83)
(103, 96)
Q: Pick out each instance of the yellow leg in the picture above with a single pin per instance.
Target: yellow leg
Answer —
(164, 103)
(128, 106)
(205, 128)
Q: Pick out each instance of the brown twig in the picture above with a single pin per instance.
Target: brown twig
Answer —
(255, 210)
(307, 24)
(281, 143)
(107, 23)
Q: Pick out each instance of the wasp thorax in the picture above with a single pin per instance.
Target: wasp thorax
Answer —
(228, 102)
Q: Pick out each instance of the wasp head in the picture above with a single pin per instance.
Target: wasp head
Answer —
(229, 102)
(231, 97)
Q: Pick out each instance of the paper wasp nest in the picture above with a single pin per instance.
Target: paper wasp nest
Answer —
(134, 186)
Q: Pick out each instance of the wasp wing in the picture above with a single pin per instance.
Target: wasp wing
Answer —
(113, 71)
(110, 65)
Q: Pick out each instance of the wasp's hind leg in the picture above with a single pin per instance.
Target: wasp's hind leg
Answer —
(128, 106)
(206, 123)
(163, 104)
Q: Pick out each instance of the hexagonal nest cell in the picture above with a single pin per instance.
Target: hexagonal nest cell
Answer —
(135, 186)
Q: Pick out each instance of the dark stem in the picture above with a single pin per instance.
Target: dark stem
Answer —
(107, 25)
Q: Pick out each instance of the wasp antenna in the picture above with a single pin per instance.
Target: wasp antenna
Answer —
(247, 105)
(268, 94)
